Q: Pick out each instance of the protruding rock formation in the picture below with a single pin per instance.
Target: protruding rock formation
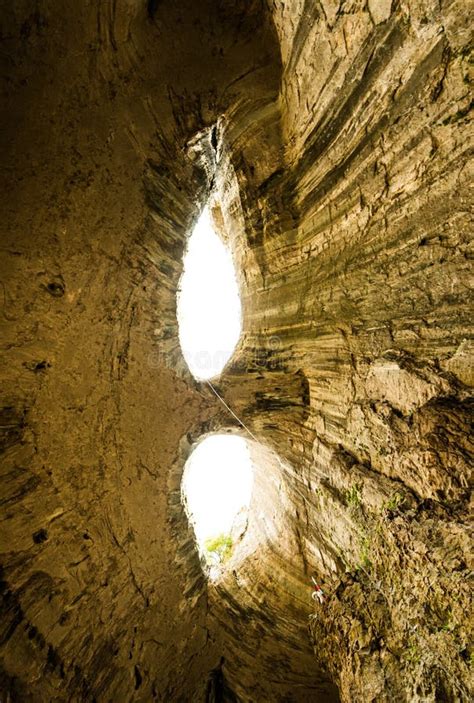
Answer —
(333, 136)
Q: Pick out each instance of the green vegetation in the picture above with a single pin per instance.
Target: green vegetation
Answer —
(394, 502)
(412, 653)
(353, 496)
(365, 562)
(217, 550)
(448, 627)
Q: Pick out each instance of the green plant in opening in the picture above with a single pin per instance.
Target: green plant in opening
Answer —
(217, 550)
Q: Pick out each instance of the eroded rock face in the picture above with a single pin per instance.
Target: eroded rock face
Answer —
(334, 138)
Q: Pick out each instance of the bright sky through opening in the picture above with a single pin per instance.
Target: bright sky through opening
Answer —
(209, 308)
(217, 484)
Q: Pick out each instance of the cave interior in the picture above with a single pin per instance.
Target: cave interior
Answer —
(331, 142)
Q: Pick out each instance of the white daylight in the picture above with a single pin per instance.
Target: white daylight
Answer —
(217, 484)
(209, 310)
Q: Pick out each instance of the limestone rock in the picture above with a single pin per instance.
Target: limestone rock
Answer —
(333, 138)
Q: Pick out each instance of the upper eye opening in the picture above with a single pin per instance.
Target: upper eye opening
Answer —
(209, 308)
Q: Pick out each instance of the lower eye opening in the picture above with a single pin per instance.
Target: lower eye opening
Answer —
(217, 488)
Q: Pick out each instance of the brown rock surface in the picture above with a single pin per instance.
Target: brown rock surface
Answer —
(334, 137)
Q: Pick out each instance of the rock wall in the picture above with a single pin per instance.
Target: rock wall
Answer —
(333, 136)
(357, 268)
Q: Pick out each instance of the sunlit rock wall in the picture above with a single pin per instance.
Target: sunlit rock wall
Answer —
(357, 264)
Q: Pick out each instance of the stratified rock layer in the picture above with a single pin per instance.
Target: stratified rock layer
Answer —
(334, 138)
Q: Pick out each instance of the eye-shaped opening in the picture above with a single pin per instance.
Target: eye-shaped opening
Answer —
(209, 309)
(217, 488)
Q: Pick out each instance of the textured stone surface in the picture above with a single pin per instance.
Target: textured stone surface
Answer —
(335, 137)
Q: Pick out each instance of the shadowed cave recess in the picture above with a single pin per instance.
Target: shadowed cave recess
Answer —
(331, 139)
